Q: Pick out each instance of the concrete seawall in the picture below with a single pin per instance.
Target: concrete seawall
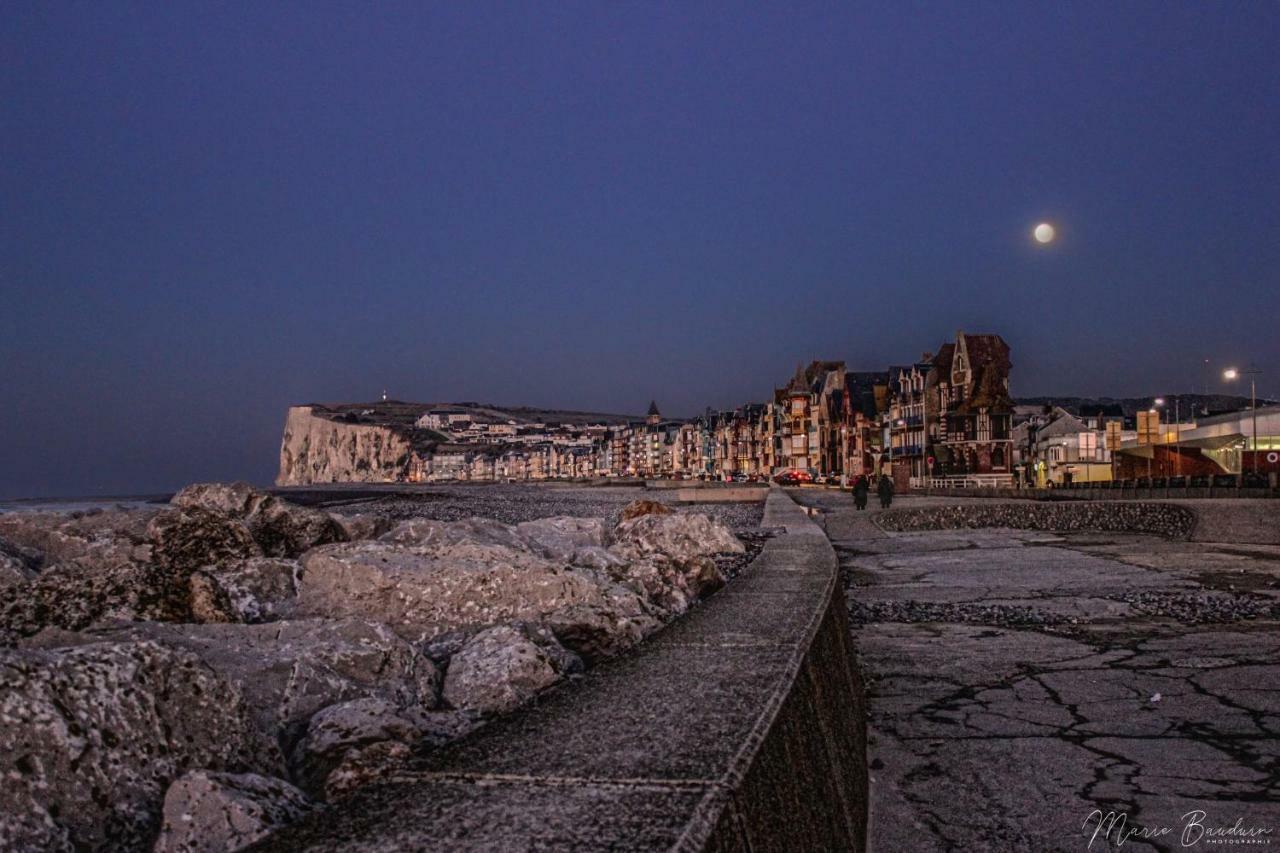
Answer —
(1241, 521)
(738, 727)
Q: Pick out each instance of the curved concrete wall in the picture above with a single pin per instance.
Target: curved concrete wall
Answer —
(1242, 521)
(739, 727)
(1159, 518)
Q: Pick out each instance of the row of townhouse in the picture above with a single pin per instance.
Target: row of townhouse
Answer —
(948, 415)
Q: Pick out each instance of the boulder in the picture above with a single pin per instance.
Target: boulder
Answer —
(285, 530)
(279, 528)
(92, 735)
(289, 670)
(426, 590)
(561, 537)
(18, 560)
(352, 743)
(184, 541)
(257, 589)
(498, 670)
(336, 732)
(362, 525)
(52, 537)
(237, 500)
(598, 558)
(13, 570)
(637, 508)
(364, 765)
(679, 536)
(670, 585)
(210, 812)
(77, 593)
(430, 537)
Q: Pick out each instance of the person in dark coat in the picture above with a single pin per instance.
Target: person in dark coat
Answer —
(861, 488)
(885, 491)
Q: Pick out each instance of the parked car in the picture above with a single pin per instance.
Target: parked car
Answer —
(794, 477)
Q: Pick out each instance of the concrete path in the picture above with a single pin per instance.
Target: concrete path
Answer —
(1024, 687)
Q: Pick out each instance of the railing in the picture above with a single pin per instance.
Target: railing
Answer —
(966, 481)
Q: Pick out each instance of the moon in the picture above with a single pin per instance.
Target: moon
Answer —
(1044, 233)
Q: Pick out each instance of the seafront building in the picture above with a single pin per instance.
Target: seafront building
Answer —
(946, 419)
(948, 415)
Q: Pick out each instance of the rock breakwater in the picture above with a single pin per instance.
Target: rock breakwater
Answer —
(194, 676)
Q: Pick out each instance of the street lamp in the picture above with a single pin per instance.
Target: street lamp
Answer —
(1177, 427)
(1231, 374)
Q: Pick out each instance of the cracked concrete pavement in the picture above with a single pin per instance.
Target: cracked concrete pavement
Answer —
(1018, 681)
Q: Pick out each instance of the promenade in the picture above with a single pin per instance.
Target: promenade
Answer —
(1023, 686)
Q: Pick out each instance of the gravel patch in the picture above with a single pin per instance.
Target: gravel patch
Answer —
(1200, 607)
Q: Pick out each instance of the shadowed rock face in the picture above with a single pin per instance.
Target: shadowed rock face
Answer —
(464, 585)
(635, 509)
(279, 528)
(17, 564)
(498, 670)
(206, 812)
(52, 537)
(91, 736)
(289, 670)
(258, 589)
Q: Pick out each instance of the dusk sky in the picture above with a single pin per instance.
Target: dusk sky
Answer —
(212, 211)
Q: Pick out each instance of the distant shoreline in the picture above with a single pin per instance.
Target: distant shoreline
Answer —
(67, 504)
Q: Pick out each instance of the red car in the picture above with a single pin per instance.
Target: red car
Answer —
(794, 477)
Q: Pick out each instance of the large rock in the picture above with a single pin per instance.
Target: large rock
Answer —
(52, 537)
(91, 736)
(426, 590)
(25, 559)
(362, 525)
(555, 539)
(561, 537)
(280, 528)
(209, 812)
(498, 670)
(76, 593)
(259, 589)
(637, 508)
(186, 540)
(428, 536)
(670, 557)
(111, 564)
(679, 536)
(344, 736)
(289, 670)
(17, 564)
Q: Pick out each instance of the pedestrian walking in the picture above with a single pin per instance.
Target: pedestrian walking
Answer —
(861, 488)
(885, 491)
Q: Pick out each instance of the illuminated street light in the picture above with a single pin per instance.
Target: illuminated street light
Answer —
(1177, 426)
(1232, 373)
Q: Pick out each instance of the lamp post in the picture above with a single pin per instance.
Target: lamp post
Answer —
(1177, 428)
(1231, 374)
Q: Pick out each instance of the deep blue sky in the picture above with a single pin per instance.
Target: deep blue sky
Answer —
(212, 211)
